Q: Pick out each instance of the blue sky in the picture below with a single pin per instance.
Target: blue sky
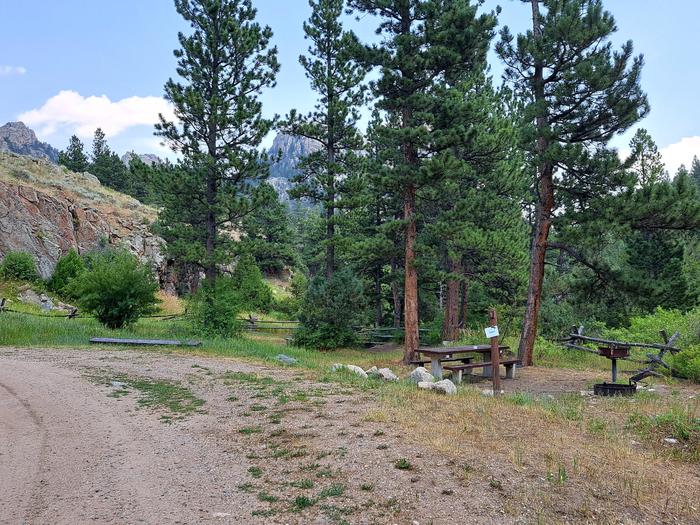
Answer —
(67, 66)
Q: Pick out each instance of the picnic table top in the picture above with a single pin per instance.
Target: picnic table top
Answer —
(450, 350)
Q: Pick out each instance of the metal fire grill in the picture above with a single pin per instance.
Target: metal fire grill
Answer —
(615, 350)
(611, 389)
(614, 353)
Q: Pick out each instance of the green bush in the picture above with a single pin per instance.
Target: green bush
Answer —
(116, 287)
(687, 363)
(646, 328)
(252, 291)
(20, 266)
(330, 312)
(290, 305)
(214, 309)
(67, 268)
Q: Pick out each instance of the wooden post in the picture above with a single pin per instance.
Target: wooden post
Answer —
(495, 356)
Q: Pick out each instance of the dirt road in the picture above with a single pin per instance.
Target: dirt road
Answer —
(121, 437)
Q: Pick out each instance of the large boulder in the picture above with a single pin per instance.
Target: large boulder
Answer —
(445, 387)
(420, 374)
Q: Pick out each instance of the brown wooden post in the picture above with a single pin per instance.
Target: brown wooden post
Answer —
(495, 355)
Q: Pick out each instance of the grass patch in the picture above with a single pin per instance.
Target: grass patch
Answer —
(302, 502)
(246, 487)
(250, 430)
(681, 425)
(267, 497)
(302, 484)
(333, 491)
(162, 394)
(403, 464)
(256, 472)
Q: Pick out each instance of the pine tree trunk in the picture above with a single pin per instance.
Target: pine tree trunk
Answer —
(330, 234)
(538, 252)
(450, 326)
(330, 153)
(395, 293)
(412, 336)
(210, 270)
(543, 214)
(464, 301)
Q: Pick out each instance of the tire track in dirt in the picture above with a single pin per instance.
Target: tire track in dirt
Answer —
(23, 455)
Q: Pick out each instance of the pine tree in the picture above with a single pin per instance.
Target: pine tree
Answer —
(74, 157)
(579, 93)
(106, 165)
(426, 45)
(267, 233)
(647, 163)
(695, 171)
(336, 78)
(477, 226)
(224, 63)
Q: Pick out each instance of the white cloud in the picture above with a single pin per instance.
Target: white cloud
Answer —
(682, 152)
(9, 71)
(70, 112)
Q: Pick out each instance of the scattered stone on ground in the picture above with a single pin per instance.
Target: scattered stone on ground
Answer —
(382, 373)
(420, 374)
(387, 375)
(353, 368)
(489, 392)
(286, 359)
(445, 386)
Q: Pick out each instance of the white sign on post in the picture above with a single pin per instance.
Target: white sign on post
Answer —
(492, 331)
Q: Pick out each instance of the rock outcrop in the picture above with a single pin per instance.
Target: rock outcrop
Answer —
(149, 159)
(46, 210)
(285, 154)
(17, 138)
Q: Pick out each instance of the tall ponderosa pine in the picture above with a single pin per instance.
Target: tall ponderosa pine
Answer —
(477, 225)
(74, 157)
(426, 44)
(336, 78)
(579, 93)
(225, 62)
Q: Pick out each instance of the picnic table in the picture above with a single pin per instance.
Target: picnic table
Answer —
(462, 357)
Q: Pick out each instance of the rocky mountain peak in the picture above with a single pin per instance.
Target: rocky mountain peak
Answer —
(147, 158)
(291, 150)
(16, 137)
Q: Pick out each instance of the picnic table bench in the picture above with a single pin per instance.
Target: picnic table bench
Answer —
(463, 361)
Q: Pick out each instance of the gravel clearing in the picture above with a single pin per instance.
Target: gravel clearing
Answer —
(85, 438)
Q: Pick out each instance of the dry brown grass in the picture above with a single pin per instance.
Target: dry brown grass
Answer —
(547, 459)
(170, 304)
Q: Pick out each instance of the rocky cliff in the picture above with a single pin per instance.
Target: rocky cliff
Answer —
(149, 159)
(291, 150)
(15, 137)
(46, 210)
